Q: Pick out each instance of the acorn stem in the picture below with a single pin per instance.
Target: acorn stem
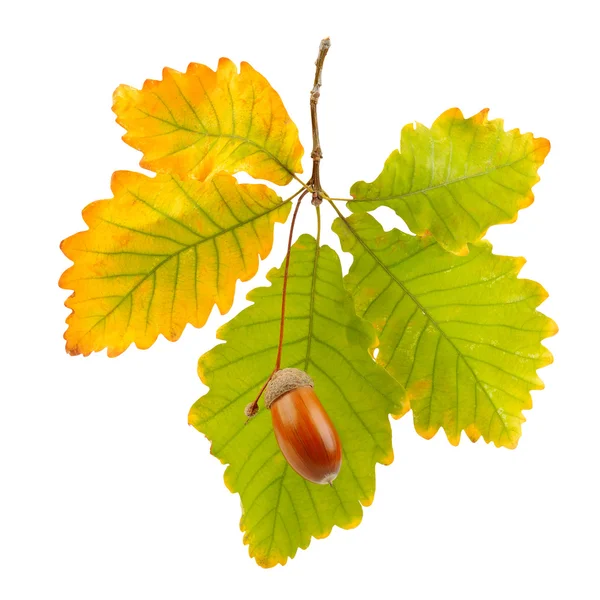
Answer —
(285, 281)
(252, 408)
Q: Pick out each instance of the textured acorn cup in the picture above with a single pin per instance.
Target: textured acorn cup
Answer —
(305, 434)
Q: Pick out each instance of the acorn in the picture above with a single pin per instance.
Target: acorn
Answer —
(305, 434)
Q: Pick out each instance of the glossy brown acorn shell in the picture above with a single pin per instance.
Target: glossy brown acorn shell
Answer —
(306, 435)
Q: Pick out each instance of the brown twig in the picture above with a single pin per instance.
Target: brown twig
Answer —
(317, 154)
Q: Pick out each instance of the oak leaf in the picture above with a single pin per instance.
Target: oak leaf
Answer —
(200, 122)
(325, 338)
(456, 179)
(161, 254)
(461, 333)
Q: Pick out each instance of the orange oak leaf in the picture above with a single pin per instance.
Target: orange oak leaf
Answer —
(200, 122)
(161, 254)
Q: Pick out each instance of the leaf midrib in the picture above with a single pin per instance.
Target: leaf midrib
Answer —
(219, 135)
(441, 185)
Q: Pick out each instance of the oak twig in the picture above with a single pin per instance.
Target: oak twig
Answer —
(317, 153)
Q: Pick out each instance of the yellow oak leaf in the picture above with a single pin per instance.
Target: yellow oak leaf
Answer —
(161, 254)
(200, 122)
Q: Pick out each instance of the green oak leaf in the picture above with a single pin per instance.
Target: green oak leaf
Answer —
(324, 337)
(456, 179)
(461, 333)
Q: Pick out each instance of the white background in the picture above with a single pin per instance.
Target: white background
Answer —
(106, 493)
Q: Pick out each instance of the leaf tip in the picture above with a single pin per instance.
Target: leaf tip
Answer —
(65, 248)
(114, 351)
(453, 438)
(551, 329)
(404, 407)
(481, 117)
(386, 460)
(452, 114)
(124, 98)
(119, 180)
(427, 433)
(226, 66)
(472, 433)
(72, 350)
(518, 263)
(202, 369)
(542, 147)
(525, 202)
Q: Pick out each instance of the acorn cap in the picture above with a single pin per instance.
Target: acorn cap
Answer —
(285, 381)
